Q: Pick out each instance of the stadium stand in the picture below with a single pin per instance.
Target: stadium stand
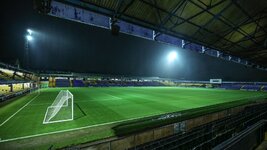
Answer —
(18, 76)
(4, 89)
(17, 87)
(62, 83)
(107, 83)
(77, 83)
(192, 84)
(209, 135)
(85, 80)
(15, 81)
(245, 86)
(61, 79)
(252, 87)
(169, 83)
(231, 86)
(2, 78)
(7, 73)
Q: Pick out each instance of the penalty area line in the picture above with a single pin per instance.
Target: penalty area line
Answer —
(74, 129)
(19, 110)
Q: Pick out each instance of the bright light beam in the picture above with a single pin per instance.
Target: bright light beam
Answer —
(29, 37)
(29, 31)
(172, 56)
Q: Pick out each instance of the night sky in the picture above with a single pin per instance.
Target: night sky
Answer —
(62, 45)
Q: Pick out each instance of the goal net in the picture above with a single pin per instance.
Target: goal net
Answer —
(61, 109)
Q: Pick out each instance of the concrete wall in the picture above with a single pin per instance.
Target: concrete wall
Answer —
(157, 133)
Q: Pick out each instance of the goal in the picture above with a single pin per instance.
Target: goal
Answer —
(61, 109)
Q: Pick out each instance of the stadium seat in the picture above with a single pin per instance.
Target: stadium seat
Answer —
(231, 86)
(77, 83)
(107, 83)
(17, 87)
(4, 89)
(62, 83)
(252, 87)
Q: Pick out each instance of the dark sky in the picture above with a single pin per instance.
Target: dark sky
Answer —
(69, 46)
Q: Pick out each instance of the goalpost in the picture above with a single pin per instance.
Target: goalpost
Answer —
(61, 109)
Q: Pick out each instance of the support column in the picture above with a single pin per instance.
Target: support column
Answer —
(11, 87)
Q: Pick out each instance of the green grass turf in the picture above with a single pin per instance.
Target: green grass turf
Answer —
(102, 105)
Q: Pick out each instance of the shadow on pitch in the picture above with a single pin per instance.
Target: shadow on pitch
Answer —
(82, 114)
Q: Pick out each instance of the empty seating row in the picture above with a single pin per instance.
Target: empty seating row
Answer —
(104, 83)
(17, 87)
(209, 135)
(232, 86)
(62, 83)
(252, 87)
(4, 89)
(77, 83)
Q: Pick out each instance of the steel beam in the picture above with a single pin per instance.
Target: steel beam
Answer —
(231, 25)
(247, 14)
(145, 24)
(194, 24)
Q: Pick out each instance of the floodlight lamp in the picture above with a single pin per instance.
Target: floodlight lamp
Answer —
(172, 56)
(29, 31)
(29, 37)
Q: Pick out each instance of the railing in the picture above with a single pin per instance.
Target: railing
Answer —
(209, 135)
(15, 94)
(239, 140)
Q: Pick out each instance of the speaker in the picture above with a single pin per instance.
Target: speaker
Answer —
(115, 29)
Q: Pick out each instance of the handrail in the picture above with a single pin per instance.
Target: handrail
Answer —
(230, 142)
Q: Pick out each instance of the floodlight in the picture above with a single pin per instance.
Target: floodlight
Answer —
(172, 56)
(29, 31)
(29, 37)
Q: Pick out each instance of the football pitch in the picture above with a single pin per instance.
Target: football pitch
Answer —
(94, 107)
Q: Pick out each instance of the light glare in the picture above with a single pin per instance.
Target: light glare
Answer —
(29, 31)
(29, 38)
(172, 56)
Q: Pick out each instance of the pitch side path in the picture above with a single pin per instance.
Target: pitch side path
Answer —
(22, 117)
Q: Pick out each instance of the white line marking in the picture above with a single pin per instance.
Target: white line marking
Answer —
(95, 100)
(19, 110)
(78, 101)
(67, 130)
(41, 104)
(115, 97)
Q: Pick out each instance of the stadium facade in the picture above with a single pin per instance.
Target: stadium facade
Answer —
(68, 110)
(172, 113)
